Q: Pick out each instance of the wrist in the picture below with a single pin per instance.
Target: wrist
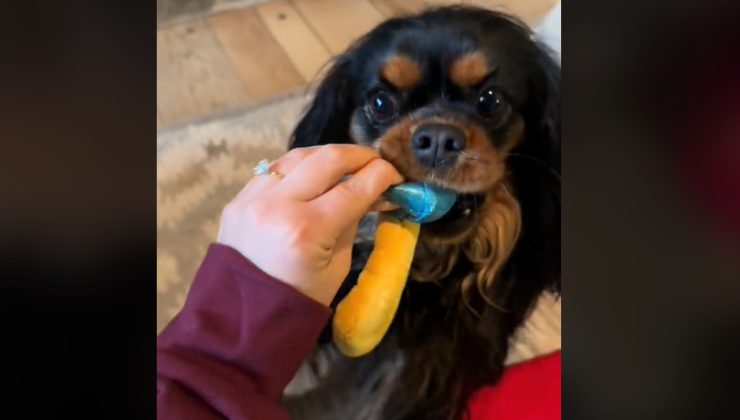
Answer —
(300, 287)
(281, 273)
(320, 296)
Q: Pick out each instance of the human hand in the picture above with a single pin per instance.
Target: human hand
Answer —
(299, 226)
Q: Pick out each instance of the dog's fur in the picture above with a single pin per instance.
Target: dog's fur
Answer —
(478, 271)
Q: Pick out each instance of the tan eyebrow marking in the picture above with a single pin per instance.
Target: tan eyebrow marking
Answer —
(469, 70)
(401, 71)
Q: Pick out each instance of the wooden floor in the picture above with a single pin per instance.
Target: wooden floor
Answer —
(239, 57)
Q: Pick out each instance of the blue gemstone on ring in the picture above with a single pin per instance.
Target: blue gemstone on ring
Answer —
(262, 167)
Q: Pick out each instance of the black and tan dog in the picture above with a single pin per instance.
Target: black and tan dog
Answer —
(464, 98)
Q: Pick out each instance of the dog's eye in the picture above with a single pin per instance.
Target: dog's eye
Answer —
(490, 103)
(383, 106)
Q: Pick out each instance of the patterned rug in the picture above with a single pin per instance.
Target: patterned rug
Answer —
(173, 12)
(202, 165)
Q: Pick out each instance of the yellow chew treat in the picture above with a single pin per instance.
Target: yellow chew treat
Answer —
(363, 317)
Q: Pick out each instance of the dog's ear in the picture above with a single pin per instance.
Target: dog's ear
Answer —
(544, 107)
(328, 116)
(536, 168)
(550, 118)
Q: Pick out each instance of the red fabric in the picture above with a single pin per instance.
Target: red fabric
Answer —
(528, 391)
(242, 335)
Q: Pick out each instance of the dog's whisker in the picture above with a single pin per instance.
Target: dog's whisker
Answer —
(508, 191)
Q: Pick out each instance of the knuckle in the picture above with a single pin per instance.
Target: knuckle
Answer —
(353, 188)
(333, 152)
(295, 154)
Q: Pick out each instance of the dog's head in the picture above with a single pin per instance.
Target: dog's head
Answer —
(466, 99)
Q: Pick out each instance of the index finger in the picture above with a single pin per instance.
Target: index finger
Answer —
(324, 168)
(349, 201)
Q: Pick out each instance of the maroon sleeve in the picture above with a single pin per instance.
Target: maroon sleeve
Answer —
(236, 344)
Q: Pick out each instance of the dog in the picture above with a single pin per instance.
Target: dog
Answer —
(465, 98)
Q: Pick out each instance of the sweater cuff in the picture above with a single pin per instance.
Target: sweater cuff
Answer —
(237, 313)
(243, 265)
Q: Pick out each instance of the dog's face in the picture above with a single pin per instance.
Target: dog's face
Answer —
(445, 107)
(451, 97)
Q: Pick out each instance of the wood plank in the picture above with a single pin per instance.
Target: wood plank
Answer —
(339, 22)
(194, 76)
(300, 43)
(261, 64)
(390, 8)
(172, 12)
(531, 11)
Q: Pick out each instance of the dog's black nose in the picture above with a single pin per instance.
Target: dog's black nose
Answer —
(437, 145)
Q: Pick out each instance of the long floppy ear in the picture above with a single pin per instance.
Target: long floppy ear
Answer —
(543, 109)
(535, 166)
(328, 117)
